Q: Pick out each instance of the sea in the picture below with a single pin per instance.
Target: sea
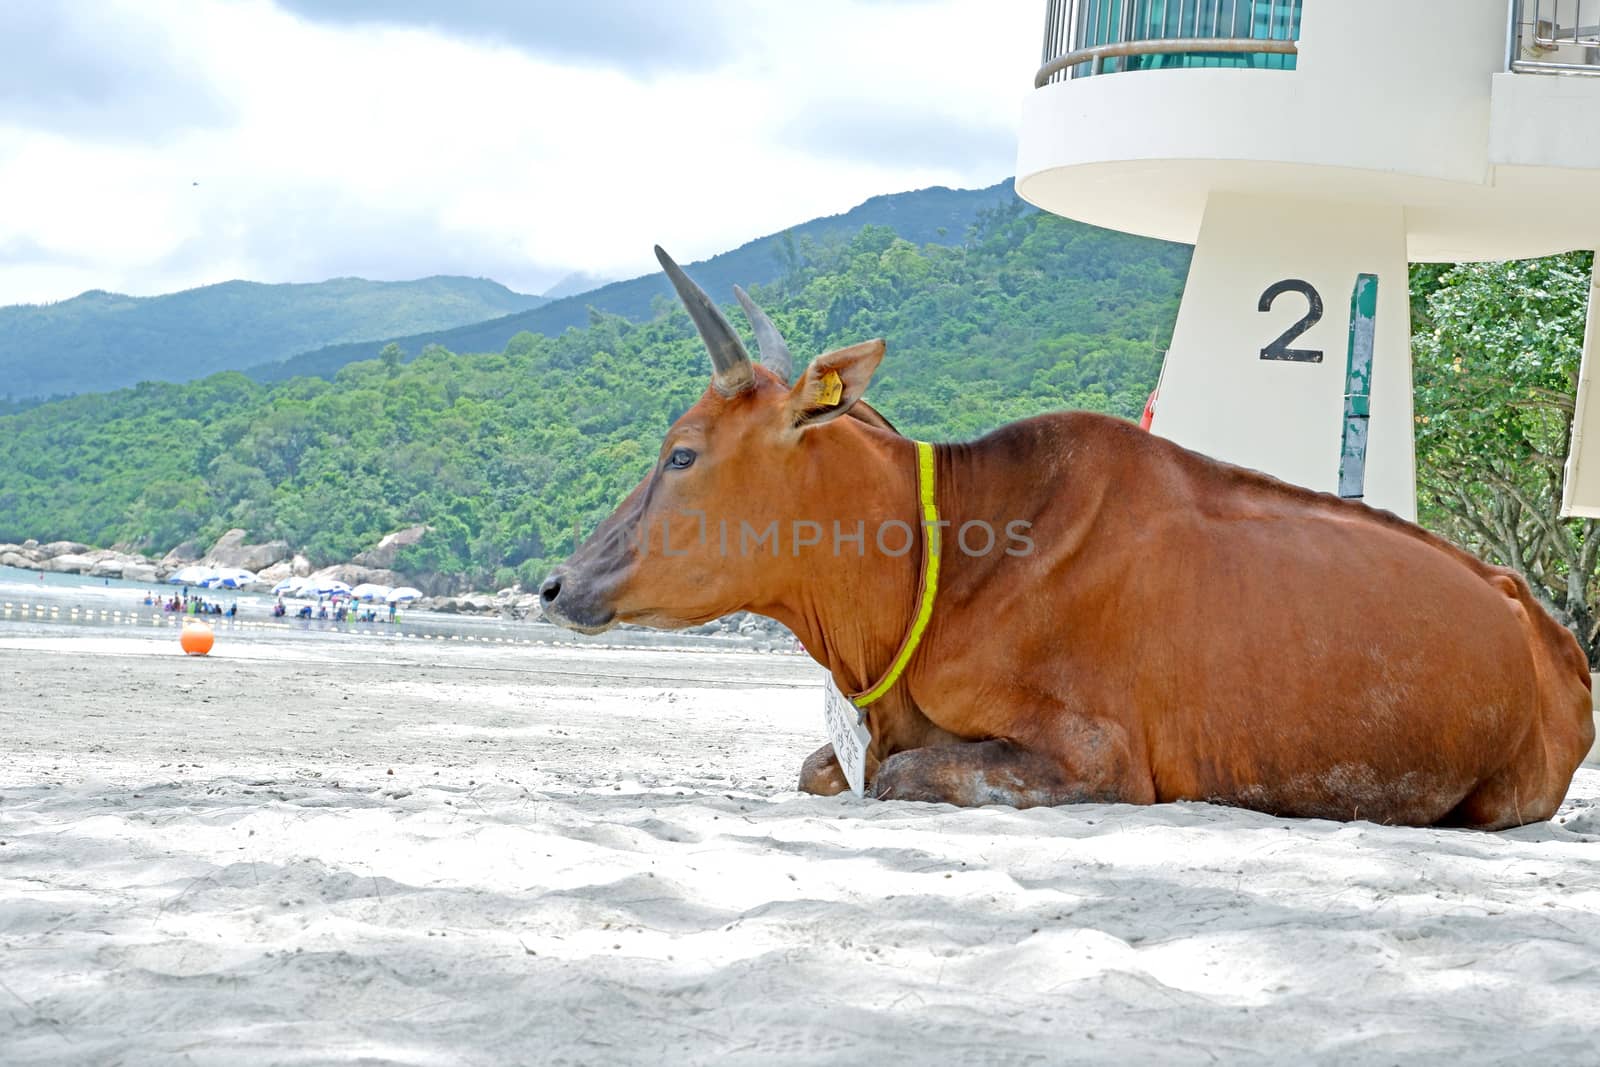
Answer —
(41, 604)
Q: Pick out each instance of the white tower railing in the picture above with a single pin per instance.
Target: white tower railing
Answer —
(1085, 37)
(1088, 37)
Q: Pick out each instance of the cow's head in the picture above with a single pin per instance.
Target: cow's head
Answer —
(688, 543)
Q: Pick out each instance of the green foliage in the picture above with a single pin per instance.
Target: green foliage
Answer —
(100, 340)
(505, 455)
(1496, 352)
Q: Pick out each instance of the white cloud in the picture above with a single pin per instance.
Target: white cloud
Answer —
(342, 145)
(635, 34)
(98, 71)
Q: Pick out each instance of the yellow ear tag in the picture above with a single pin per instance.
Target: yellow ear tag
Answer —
(830, 387)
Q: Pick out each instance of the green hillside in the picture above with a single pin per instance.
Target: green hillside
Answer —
(927, 216)
(102, 340)
(502, 454)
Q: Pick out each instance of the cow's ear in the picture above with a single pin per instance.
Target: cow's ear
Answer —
(832, 384)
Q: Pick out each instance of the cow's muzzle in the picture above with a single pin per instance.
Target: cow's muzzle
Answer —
(567, 603)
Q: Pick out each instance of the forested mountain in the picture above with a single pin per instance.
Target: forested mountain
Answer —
(504, 454)
(926, 216)
(103, 340)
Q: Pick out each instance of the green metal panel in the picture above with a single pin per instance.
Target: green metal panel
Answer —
(1358, 388)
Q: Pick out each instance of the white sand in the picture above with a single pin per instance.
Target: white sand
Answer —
(592, 856)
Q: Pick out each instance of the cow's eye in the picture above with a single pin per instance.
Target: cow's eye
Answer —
(680, 459)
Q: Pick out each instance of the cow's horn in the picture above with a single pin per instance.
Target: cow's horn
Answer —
(730, 363)
(774, 352)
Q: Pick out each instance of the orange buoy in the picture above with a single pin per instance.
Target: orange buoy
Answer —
(196, 637)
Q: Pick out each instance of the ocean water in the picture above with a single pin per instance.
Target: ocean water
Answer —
(73, 603)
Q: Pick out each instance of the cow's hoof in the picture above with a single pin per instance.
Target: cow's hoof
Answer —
(903, 776)
(821, 774)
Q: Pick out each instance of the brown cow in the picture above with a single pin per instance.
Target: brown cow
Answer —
(1166, 627)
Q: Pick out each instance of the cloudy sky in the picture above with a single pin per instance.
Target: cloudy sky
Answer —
(154, 145)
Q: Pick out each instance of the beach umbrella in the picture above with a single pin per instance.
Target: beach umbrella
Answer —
(230, 578)
(329, 587)
(194, 574)
(370, 591)
(405, 592)
(238, 579)
(290, 584)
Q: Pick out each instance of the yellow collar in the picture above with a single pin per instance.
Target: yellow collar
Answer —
(928, 583)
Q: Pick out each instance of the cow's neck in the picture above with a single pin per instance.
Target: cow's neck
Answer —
(851, 609)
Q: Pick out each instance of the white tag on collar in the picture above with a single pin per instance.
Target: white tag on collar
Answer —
(849, 735)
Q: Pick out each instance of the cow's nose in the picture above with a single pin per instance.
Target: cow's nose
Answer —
(550, 589)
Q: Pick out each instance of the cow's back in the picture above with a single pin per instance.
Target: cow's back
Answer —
(1379, 640)
(1287, 650)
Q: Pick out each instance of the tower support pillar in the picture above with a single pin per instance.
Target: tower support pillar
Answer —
(1277, 321)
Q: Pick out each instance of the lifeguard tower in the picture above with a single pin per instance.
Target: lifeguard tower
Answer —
(1310, 150)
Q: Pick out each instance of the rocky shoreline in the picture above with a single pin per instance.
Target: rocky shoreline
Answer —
(273, 561)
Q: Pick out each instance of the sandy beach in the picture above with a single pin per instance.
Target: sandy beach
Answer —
(406, 851)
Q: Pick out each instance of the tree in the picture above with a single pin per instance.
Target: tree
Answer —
(391, 356)
(1496, 350)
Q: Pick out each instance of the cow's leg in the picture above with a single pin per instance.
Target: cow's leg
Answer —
(988, 772)
(821, 774)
